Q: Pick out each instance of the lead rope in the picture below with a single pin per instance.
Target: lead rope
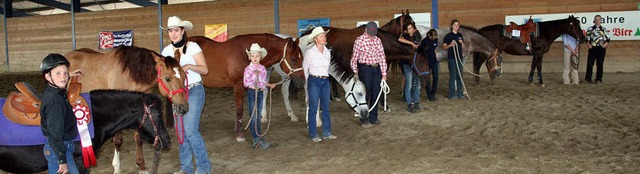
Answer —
(383, 88)
(457, 55)
(255, 109)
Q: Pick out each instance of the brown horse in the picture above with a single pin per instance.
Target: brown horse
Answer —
(227, 60)
(133, 69)
(548, 32)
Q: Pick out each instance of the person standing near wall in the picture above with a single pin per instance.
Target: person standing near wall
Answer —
(597, 41)
(369, 63)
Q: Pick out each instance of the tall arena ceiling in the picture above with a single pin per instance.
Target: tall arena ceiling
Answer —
(49, 7)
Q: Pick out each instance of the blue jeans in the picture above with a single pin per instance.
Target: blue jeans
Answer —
(52, 158)
(411, 84)
(432, 85)
(371, 77)
(251, 94)
(318, 91)
(193, 143)
(455, 80)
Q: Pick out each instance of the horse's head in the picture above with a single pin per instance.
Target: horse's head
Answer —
(494, 65)
(150, 126)
(291, 62)
(356, 96)
(420, 63)
(574, 29)
(397, 25)
(171, 83)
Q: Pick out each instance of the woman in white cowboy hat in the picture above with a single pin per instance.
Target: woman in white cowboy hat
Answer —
(255, 81)
(316, 64)
(192, 61)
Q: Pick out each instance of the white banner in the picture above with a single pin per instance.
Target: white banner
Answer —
(620, 25)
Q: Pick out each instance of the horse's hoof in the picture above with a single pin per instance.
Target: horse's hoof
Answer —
(294, 119)
(542, 85)
(143, 172)
(240, 139)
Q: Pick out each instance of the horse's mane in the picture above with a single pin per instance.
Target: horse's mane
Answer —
(139, 62)
(469, 28)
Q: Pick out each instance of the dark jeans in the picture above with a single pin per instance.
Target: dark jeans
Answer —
(596, 54)
(318, 92)
(371, 77)
(432, 84)
(455, 80)
(254, 125)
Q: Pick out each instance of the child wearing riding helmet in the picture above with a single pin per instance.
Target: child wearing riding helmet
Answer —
(58, 122)
(255, 81)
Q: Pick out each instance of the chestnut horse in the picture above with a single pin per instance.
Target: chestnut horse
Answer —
(113, 112)
(133, 69)
(548, 32)
(226, 62)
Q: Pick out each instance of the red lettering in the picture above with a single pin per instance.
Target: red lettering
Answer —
(621, 32)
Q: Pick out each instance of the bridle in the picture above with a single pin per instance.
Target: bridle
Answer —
(350, 94)
(147, 114)
(172, 93)
(494, 58)
(573, 28)
(415, 67)
(284, 59)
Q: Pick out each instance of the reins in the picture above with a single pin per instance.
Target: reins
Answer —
(157, 144)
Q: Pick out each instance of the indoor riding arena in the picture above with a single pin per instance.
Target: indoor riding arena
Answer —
(511, 123)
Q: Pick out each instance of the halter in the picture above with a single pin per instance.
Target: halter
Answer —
(494, 58)
(413, 65)
(353, 107)
(147, 114)
(177, 91)
(284, 57)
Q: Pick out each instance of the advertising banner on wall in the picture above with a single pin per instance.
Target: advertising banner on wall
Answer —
(309, 24)
(620, 25)
(110, 39)
(217, 32)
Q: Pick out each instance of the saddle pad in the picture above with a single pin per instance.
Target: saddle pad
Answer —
(13, 134)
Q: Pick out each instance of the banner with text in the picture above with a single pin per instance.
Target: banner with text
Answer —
(309, 24)
(110, 39)
(620, 25)
(217, 32)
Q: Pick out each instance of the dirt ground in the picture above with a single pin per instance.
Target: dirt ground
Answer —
(509, 127)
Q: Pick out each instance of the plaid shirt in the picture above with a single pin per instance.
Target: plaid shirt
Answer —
(250, 77)
(368, 50)
(597, 35)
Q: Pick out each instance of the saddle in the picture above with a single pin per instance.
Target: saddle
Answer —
(521, 31)
(24, 107)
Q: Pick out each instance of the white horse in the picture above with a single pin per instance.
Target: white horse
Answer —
(355, 94)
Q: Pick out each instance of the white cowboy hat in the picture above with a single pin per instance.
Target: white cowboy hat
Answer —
(255, 48)
(316, 31)
(175, 21)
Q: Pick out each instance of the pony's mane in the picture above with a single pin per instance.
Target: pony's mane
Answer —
(138, 62)
(342, 64)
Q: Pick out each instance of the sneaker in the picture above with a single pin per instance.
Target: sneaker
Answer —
(260, 143)
(316, 139)
(598, 81)
(330, 137)
(416, 107)
(410, 108)
(367, 125)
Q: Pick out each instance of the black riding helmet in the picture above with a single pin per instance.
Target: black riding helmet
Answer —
(52, 61)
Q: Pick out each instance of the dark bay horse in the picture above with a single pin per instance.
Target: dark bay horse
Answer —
(226, 62)
(134, 69)
(548, 32)
(113, 112)
(474, 41)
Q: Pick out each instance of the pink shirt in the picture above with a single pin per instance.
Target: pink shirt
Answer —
(250, 75)
(368, 50)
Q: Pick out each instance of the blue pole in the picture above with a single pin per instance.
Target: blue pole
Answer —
(434, 13)
(276, 15)
(160, 24)
(73, 25)
(6, 39)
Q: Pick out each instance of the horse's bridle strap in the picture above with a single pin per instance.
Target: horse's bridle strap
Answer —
(284, 57)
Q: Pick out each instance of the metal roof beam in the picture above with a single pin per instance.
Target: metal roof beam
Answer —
(56, 4)
(15, 13)
(143, 3)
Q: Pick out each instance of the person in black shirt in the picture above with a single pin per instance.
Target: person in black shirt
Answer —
(452, 42)
(58, 122)
(411, 80)
(429, 45)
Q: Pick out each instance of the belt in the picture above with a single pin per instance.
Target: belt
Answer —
(322, 77)
(194, 84)
(373, 65)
